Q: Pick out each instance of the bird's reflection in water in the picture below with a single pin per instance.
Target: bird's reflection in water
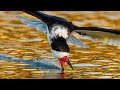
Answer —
(57, 76)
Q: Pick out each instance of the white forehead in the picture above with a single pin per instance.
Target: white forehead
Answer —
(58, 54)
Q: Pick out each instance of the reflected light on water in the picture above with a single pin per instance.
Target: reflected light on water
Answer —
(100, 61)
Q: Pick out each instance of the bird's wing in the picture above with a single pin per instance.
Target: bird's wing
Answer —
(76, 42)
(107, 36)
(38, 24)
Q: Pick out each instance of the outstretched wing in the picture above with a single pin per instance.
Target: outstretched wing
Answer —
(38, 24)
(107, 36)
(76, 42)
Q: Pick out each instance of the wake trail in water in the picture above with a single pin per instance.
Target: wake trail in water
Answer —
(39, 64)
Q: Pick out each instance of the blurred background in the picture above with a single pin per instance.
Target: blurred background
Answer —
(19, 41)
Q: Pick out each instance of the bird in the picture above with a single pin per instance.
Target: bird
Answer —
(59, 34)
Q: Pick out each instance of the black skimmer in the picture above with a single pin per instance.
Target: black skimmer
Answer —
(59, 34)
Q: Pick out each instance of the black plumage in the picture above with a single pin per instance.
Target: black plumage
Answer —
(59, 44)
(59, 32)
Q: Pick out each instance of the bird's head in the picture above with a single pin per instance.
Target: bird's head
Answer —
(63, 61)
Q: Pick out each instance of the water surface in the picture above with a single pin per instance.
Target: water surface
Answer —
(100, 61)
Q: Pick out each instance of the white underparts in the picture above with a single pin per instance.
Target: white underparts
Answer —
(58, 54)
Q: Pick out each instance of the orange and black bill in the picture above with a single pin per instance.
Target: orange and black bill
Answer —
(69, 64)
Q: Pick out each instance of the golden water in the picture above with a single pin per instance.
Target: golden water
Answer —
(18, 41)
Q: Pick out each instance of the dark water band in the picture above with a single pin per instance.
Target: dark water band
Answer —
(39, 64)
